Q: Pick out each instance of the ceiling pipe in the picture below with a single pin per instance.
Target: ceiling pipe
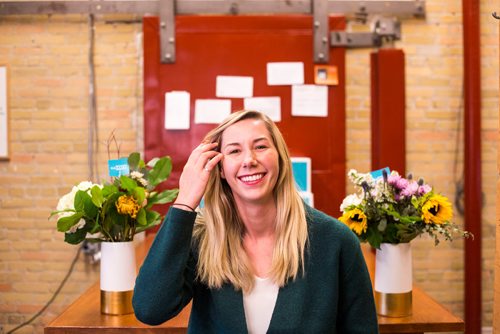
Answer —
(472, 164)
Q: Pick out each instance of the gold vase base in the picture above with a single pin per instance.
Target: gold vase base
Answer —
(395, 305)
(116, 302)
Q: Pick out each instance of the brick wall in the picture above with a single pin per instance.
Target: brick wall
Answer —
(48, 89)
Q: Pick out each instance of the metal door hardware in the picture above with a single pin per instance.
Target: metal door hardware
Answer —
(383, 30)
(167, 9)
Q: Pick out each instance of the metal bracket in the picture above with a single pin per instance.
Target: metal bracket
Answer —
(167, 9)
(320, 31)
(383, 30)
(167, 31)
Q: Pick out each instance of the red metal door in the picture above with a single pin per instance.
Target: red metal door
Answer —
(208, 46)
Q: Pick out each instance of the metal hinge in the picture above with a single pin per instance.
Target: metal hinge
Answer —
(383, 30)
(167, 31)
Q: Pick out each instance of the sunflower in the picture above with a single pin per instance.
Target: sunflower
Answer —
(127, 205)
(356, 220)
(437, 210)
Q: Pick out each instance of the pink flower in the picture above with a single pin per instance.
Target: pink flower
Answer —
(410, 190)
(397, 181)
(424, 189)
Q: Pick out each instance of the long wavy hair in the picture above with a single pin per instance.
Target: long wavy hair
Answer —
(219, 230)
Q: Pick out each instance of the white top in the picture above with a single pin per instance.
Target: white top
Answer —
(259, 305)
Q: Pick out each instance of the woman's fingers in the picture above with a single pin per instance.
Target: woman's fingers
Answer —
(200, 150)
(205, 158)
(196, 172)
(212, 162)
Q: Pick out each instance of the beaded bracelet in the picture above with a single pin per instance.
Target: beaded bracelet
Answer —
(187, 206)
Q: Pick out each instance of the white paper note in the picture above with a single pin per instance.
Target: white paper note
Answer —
(271, 106)
(211, 111)
(310, 100)
(234, 86)
(285, 73)
(177, 107)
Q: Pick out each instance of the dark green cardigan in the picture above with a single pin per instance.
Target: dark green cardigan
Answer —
(334, 295)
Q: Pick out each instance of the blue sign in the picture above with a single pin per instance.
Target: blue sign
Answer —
(301, 168)
(118, 167)
(379, 172)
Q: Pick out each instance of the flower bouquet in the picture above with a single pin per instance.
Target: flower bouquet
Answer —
(388, 212)
(393, 209)
(116, 211)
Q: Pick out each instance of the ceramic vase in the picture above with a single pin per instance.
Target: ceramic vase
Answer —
(118, 273)
(393, 280)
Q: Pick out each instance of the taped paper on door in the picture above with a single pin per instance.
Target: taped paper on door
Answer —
(177, 110)
(271, 106)
(211, 111)
(234, 86)
(285, 73)
(310, 100)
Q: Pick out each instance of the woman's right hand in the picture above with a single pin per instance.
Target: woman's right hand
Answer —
(196, 172)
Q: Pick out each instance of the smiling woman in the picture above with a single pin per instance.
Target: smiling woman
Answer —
(256, 259)
(250, 165)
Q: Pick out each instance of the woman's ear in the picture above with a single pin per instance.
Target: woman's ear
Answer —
(221, 171)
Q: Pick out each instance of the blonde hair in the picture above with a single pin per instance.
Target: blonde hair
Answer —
(219, 229)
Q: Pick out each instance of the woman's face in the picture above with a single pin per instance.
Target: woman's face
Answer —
(251, 162)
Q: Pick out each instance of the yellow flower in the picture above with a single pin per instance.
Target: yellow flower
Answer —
(356, 220)
(127, 205)
(437, 210)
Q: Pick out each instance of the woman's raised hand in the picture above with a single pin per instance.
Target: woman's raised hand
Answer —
(194, 177)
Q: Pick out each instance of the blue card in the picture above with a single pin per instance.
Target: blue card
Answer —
(118, 167)
(301, 167)
(379, 172)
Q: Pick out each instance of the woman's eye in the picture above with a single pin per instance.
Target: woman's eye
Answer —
(261, 147)
(234, 151)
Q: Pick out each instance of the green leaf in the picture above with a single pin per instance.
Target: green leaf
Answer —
(139, 194)
(142, 165)
(65, 223)
(127, 183)
(79, 199)
(160, 172)
(391, 233)
(109, 189)
(153, 217)
(53, 213)
(406, 233)
(374, 238)
(163, 197)
(75, 238)
(133, 160)
(89, 208)
(141, 217)
(113, 222)
(97, 197)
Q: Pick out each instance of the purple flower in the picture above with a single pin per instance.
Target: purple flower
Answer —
(410, 190)
(397, 182)
(424, 189)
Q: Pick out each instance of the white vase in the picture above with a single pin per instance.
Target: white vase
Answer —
(394, 280)
(118, 273)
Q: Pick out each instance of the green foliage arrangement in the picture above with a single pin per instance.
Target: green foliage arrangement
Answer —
(116, 211)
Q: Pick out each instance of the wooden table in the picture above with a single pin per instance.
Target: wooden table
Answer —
(83, 316)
